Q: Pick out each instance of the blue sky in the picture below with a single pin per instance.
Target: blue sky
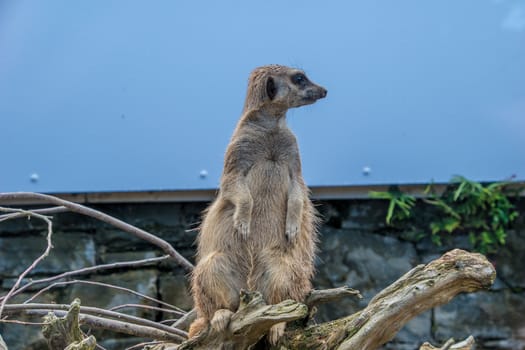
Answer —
(132, 95)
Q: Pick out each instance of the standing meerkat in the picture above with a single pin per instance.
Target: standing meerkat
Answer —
(260, 232)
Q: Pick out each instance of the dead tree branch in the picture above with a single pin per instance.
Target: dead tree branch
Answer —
(37, 260)
(80, 209)
(184, 322)
(100, 318)
(98, 312)
(249, 324)
(147, 307)
(101, 284)
(44, 211)
(422, 288)
(467, 344)
(103, 319)
(92, 269)
(120, 327)
(317, 297)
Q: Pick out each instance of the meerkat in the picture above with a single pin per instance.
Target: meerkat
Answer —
(260, 232)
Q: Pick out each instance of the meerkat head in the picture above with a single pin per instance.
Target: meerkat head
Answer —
(280, 87)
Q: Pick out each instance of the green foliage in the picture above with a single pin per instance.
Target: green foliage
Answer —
(400, 206)
(484, 212)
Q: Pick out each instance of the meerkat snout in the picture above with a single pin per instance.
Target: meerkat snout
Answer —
(317, 93)
(307, 91)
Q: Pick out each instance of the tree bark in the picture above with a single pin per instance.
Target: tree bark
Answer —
(64, 332)
(422, 288)
(467, 344)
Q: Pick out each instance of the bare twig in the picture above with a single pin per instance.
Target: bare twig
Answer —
(141, 306)
(170, 320)
(37, 260)
(142, 345)
(24, 323)
(57, 308)
(101, 284)
(77, 208)
(92, 269)
(118, 326)
(185, 321)
(43, 211)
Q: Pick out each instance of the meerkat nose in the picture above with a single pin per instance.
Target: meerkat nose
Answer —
(324, 92)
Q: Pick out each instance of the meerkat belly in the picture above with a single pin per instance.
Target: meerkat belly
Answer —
(269, 182)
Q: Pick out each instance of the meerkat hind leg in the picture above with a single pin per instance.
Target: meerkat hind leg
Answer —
(197, 326)
(221, 319)
(216, 285)
(276, 332)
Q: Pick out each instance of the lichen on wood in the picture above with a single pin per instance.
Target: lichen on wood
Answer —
(64, 332)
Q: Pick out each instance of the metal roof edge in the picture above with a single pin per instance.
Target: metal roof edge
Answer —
(206, 195)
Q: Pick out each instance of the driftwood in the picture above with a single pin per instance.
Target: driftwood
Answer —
(422, 288)
(466, 344)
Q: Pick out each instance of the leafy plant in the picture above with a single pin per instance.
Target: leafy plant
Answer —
(400, 206)
(483, 211)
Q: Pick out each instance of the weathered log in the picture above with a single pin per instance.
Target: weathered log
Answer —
(321, 296)
(249, 324)
(467, 344)
(422, 288)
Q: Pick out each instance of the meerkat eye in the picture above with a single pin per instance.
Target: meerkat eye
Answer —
(299, 79)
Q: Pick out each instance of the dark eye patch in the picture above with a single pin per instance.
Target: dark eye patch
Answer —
(299, 79)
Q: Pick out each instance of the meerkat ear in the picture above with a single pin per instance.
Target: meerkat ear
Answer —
(271, 89)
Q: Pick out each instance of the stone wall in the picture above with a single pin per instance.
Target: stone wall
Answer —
(356, 249)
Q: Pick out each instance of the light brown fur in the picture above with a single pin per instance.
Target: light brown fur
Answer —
(260, 232)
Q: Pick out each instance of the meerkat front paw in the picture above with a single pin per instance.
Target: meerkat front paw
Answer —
(221, 319)
(291, 231)
(241, 225)
(276, 332)
(294, 214)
